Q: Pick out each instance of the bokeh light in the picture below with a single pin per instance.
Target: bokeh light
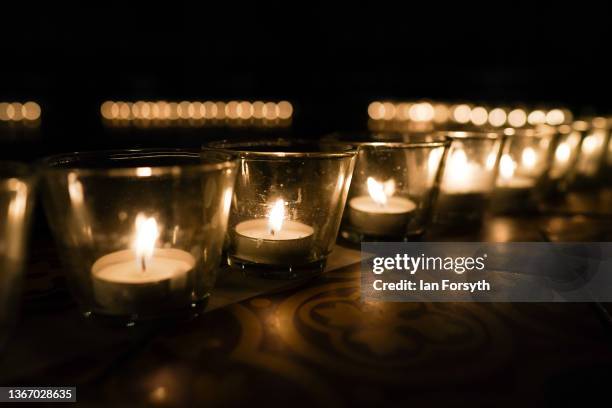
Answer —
(497, 117)
(190, 113)
(536, 117)
(479, 116)
(517, 118)
(461, 113)
(555, 117)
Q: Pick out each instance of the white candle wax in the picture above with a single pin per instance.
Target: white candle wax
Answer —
(472, 179)
(464, 189)
(370, 217)
(255, 241)
(121, 285)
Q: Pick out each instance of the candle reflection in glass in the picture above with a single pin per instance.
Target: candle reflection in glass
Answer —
(17, 183)
(140, 231)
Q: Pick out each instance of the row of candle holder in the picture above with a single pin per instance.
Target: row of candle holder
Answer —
(142, 232)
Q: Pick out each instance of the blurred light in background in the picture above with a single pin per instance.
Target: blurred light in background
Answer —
(426, 115)
(479, 116)
(18, 112)
(536, 117)
(517, 118)
(497, 117)
(441, 113)
(197, 113)
(421, 112)
(461, 113)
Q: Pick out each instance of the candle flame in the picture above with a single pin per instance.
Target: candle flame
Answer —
(529, 157)
(380, 192)
(591, 143)
(456, 170)
(458, 160)
(147, 233)
(144, 172)
(562, 153)
(507, 166)
(277, 216)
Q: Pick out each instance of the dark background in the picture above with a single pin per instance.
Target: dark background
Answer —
(330, 62)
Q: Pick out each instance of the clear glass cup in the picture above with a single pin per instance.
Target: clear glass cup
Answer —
(525, 159)
(607, 171)
(469, 178)
(394, 186)
(140, 231)
(566, 145)
(591, 161)
(17, 184)
(287, 205)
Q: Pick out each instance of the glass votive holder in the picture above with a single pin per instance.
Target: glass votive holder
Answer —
(17, 182)
(591, 159)
(287, 205)
(140, 231)
(468, 179)
(566, 145)
(522, 168)
(394, 186)
(607, 171)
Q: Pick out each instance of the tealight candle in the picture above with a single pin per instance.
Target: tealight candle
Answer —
(464, 187)
(132, 281)
(591, 152)
(507, 168)
(465, 177)
(380, 213)
(514, 192)
(561, 160)
(273, 240)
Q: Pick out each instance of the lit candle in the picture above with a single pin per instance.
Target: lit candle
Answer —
(138, 280)
(591, 152)
(561, 161)
(380, 213)
(464, 189)
(273, 240)
(529, 160)
(466, 177)
(514, 192)
(507, 168)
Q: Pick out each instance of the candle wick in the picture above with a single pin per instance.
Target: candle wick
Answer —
(143, 264)
(272, 232)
